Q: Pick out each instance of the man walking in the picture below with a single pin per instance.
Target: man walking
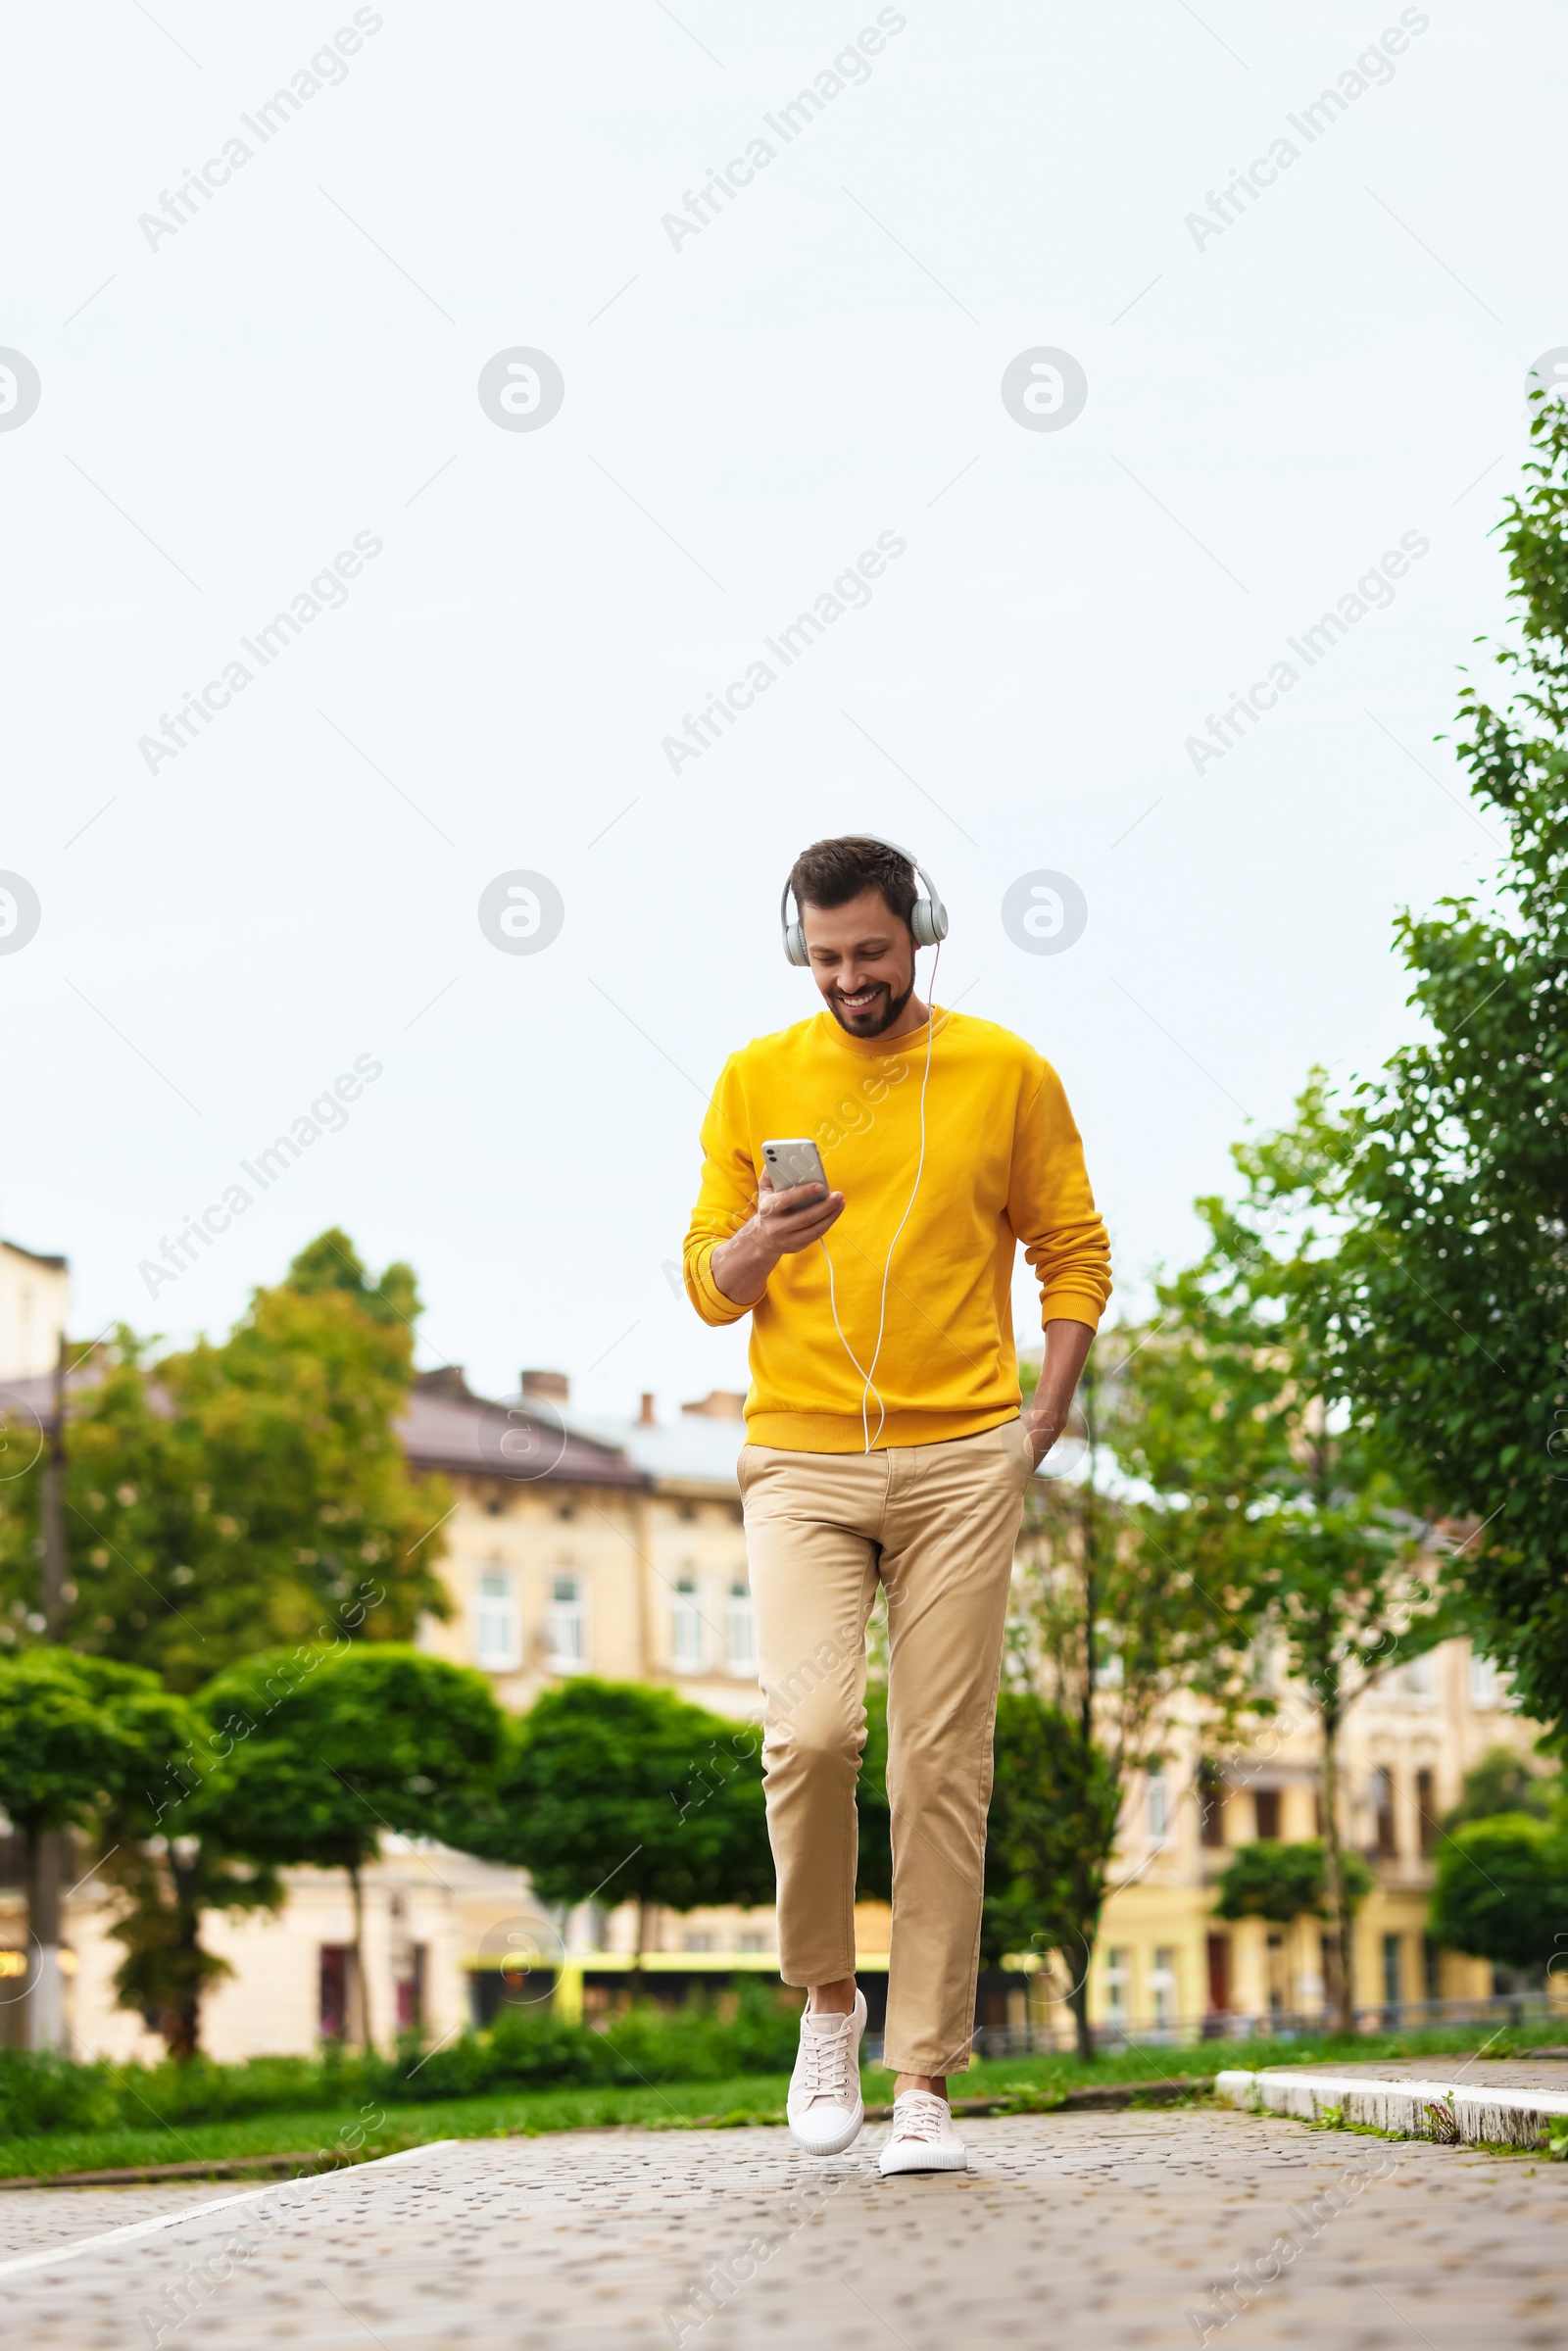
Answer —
(885, 1446)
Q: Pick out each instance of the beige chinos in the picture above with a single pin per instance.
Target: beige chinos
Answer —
(935, 1524)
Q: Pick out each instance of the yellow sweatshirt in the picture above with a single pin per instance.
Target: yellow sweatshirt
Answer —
(1004, 1165)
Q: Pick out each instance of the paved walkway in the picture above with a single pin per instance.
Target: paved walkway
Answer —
(1071, 2231)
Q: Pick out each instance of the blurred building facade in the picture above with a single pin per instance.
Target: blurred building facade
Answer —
(34, 1300)
(618, 1551)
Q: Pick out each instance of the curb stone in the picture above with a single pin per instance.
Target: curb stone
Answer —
(1453, 2112)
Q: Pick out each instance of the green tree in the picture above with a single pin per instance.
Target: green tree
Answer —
(618, 1793)
(173, 1863)
(1502, 1892)
(1503, 1781)
(77, 1736)
(330, 1263)
(1265, 1485)
(1119, 1629)
(1453, 1281)
(1283, 1882)
(1054, 1802)
(232, 1497)
(330, 1750)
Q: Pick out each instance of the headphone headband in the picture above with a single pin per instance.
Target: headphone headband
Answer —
(928, 916)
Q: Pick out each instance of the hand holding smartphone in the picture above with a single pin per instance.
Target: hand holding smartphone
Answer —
(794, 1209)
(794, 1161)
(794, 1206)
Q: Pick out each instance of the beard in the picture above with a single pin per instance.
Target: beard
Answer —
(875, 1018)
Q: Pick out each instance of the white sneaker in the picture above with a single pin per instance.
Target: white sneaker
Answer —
(824, 2106)
(922, 2138)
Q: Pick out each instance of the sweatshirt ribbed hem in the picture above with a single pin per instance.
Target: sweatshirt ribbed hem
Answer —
(836, 1433)
(1071, 1306)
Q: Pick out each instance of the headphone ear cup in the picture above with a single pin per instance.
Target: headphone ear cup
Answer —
(922, 925)
(794, 948)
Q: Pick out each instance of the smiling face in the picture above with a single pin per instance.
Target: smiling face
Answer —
(863, 959)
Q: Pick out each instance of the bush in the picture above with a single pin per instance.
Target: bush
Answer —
(39, 2091)
(525, 2049)
(1283, 1882)
(1501, 1891)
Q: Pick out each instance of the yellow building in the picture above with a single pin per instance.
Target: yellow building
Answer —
(1164, 1963)
(571, 1549)
(619, 1551)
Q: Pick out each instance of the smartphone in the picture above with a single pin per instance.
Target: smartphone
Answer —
(795, 1161)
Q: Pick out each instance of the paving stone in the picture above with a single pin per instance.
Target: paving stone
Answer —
(1078, 2230)
(56, 2215)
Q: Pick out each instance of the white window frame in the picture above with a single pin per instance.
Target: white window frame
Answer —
(741, 1631)
(686, 1627)
(497, 1646)
(1162, 1984)
(567, 1622)
(1484, 1693)
(1118, 1983)
(1420, 1677)
(1159, 1796)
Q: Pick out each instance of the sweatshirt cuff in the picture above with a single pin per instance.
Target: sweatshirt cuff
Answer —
(706, 1295)
(1072, 1306)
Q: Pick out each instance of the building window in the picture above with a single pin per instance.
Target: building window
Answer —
(1482, 1683)
(410, 1992)
(1426, 1808)
(565, 1625)
(1158, 1804)
(698, 1942)
(1163, 1984)
(1419, 1677)
(495, 1623)
(337, 2013)
(1118, 1979)
(1276, 1971)
(1219, 1974)
(1392, 1990)
(1386, 1843)
(742, 1629)
(1266, 1811)
(1211, 1804)
(752, 1942)
(687, 1624)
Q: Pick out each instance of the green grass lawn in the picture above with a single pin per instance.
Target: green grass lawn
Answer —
(750, 2097)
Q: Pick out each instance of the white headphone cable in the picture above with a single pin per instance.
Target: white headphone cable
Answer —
(867, 1377)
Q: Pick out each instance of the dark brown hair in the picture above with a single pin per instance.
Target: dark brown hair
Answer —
(831, 872)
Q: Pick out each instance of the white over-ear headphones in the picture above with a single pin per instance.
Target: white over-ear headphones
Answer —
(928, 916)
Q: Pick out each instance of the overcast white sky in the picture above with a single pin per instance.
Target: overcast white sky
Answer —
(223, 409)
